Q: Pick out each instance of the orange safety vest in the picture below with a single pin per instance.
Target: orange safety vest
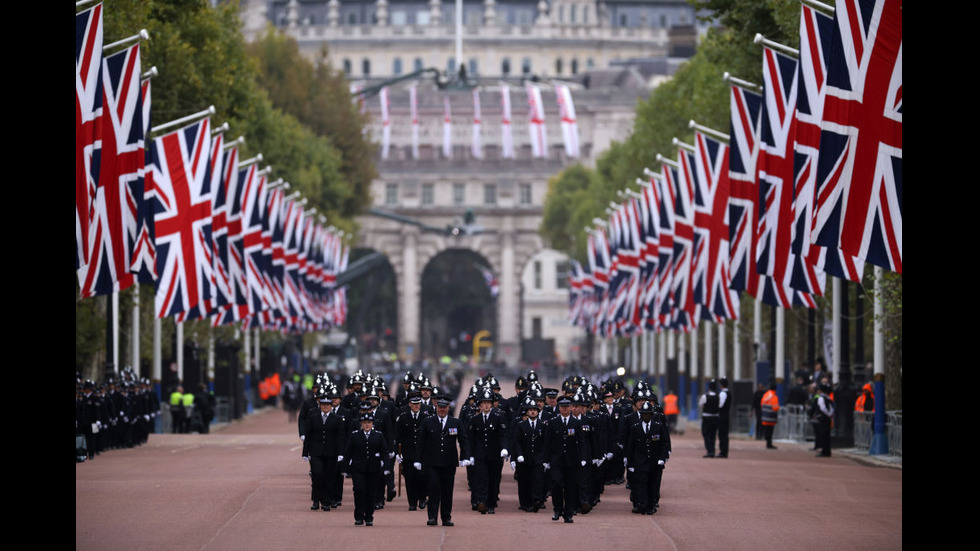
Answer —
(770, 400)
(670, 405)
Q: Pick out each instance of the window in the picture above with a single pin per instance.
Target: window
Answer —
(525, 194)
(558, 66)
(352, 18)
(451, 67)
(526, 66)
(366, 67)
(505, 66)
(585, 15)
(535, 328)
(422, 17)
(561, 275)
(574, 66)
(391, 194)
(396, 68)
(537, 275)
(428, 194)
(473, 67)
(459, 194)
(573, 14)
(347, 67)
(490, 194)
(399, 17)
(418, 64)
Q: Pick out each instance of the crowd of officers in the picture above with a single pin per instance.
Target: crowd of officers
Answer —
(566, 445)
(118, 413)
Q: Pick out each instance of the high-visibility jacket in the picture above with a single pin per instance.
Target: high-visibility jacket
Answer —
(770, 408)
(187, 399)
(175, 397)
(670, 405)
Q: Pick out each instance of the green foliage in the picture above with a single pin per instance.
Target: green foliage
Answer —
(575, 196)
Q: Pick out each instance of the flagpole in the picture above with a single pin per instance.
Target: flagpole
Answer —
(722, 353)
(210, 111)
(661, 337)
(835, 330)
(112, 334)
(686, 146)
(879, 439)
(711, 131)
(134, 357)
(709, 357)
(759, 39)
(142, 35)
(819, 5)
(741, 83)
(693, 371)
(736, 351)
(180, 351)
(780, 346)
(157, 370)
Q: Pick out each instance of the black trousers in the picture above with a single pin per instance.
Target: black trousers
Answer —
(530, 484)
(564, 489)
(440, 489)
(709, 428)
(414, 484)
(365, 487)
(724, 423)
(486, 481)
(822, 434)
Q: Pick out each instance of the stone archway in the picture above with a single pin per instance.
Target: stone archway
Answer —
(457, 303)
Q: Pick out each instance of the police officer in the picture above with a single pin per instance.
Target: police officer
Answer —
(567, 451)
(407, 429)
(724, 417)
(365, 454)
(528, 444)
(442, 442)
(710, 406)
(488, 438)
(326, 438)
(646, 455)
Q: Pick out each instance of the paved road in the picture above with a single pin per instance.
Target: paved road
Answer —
(245, 487)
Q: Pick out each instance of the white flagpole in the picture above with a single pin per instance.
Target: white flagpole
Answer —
(115, 331)
(780, 343)
(722, 353)
(134, 357)
(709, 359)
(180, 351)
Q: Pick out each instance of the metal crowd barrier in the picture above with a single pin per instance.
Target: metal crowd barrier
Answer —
(864, 431)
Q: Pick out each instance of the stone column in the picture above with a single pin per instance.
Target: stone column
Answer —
(382, 12)
(508, 324)
(435, 12)
(489, 12)
(409, 292)
(292, 13)
(333, 12)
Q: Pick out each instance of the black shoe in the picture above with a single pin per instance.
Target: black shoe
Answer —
(324, 506)
(422, 504)
(482, 507)
(648, 512)
(771, 448)
(358, 523)
(378, 506)
(448, 523)
(569, 520)
(431, 522)
(336, 504)
(411, 507)
(315, 506)
(722, 456)
(490, 510)
(708, 455)
(533, 509)
(391, 495)
(586, 508)
(637, 511)
(555, 516)
(474, 506)
(369, 523)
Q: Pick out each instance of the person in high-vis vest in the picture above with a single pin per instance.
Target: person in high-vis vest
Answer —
(187, 400)
(770, 414)
(671, 410)
(177, 415)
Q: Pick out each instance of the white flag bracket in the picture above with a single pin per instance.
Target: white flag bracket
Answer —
(666, 161)
(209, 112)
(142, 35)
(759, 39)
(710, 131)
(685, 146)
(727, 77)
(234, 143)
(249, 162)
(152, 72)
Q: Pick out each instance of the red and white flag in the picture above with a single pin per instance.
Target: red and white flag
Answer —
(536, 128)
(413, 107)
(475, 147)
(447, 129)
(569, 125)
(385, 123)
(506, 131)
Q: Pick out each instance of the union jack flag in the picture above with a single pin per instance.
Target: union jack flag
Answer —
(183, 195)
(144, 263)
(665, 187)
(224, 188)
(816, 31)
(776, 178)
(88, 131)
(746, 112)
(490, 280)
(859, 174)
(254, 205)
(650, 214)
(711, 219)
(685, 312)
(113, 230)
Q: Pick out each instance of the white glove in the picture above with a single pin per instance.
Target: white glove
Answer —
(306, 458)
(661, 463)
(546, 466)
(625, 461)
(340, 458)
(390, 455)
(464, 463)
(583, 463)
(609, 456)
(302, 438)
(520, 458)
(472, 462)
(595, 462)
(387, 473)
(631, 469)
(146, 417)
(382, 463)
(601, 460)
(417, 465)
(503, 452)
(399, 458)
(513, 465)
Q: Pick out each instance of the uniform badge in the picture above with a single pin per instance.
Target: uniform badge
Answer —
(655, 437)
(571, 432)
(452, 432)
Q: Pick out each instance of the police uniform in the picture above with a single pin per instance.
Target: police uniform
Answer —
(438, 441)
(364, 454)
